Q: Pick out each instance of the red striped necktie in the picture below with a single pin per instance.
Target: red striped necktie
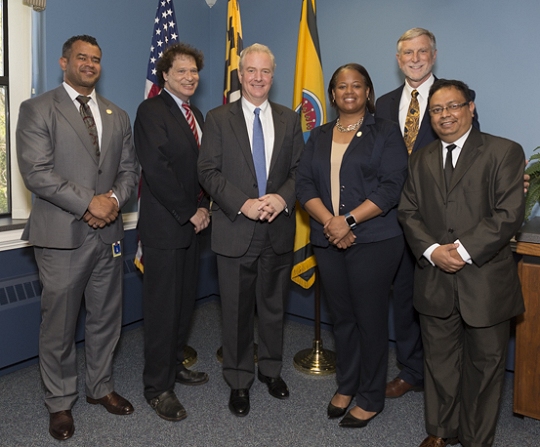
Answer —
(191, 121)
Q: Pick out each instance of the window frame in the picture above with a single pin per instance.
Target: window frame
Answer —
(20, 89)
(4, 82)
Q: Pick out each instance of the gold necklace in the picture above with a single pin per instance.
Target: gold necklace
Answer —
(350, 127)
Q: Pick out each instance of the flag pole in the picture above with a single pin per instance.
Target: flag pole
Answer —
(309, 102)
(316, 361)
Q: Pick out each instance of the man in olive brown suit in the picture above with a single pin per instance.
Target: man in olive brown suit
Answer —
(462, 203)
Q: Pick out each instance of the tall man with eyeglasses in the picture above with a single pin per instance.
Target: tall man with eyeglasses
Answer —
(462, 203)
(416, 56)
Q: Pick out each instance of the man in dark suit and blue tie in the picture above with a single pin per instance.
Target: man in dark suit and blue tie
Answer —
(75, 154)
(247, 164)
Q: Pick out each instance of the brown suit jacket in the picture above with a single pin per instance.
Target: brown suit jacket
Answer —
(483, 208)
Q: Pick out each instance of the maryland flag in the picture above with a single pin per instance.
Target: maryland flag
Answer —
(309, 102)
(234, 47)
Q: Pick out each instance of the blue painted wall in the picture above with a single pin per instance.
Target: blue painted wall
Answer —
(490, 44)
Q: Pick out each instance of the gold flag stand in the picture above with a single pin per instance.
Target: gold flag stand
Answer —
(316, 361)
(190, 356)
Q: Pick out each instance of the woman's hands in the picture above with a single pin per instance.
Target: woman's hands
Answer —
(337, 231)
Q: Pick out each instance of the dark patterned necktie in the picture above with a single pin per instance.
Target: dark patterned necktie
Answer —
(448, 166)
(89, 121)
(191, 121)
(259, 157)
(412, 122)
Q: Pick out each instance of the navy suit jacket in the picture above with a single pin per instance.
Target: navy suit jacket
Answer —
(387, 107)
(374, 167)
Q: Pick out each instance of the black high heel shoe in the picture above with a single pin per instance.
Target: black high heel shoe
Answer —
(349, 421)
(334, 412)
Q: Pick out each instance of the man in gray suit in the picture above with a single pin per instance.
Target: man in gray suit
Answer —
(76, 155)
(462, 203)
(247, 163)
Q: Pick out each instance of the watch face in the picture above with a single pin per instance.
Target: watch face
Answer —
(350, 221)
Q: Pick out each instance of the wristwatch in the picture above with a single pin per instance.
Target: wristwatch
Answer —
(351, 221)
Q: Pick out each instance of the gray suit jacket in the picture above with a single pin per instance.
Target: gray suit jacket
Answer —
(227, 173)
(59, 165)
(484, 209)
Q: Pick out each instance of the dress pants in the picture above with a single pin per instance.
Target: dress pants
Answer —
(67, 275)
(464, 374)
(409, 351)
(169, 294)
(356, 284)
(260, 278)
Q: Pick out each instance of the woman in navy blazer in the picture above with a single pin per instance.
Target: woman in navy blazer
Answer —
(349, 181)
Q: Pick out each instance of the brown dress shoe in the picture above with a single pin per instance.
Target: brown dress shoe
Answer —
(113, 403)
(434, 441)
(398, 387)
(61, 425)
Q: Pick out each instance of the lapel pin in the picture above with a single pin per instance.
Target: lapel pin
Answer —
(359, 134)
(109, 112)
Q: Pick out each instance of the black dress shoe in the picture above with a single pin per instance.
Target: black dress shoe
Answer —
(334, 412)
(113, 403)
(276, 386)
(61, 425)
(168, 407)
(349, 421)
(187, 377)
(239, 402)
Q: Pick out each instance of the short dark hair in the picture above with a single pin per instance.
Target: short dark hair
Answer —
(166, 61)
(446, 83)
(363, 72)
(66, 48)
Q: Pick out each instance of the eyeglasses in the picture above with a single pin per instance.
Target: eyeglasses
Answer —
(451, 108)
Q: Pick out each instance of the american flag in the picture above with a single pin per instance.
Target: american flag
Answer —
(165, 34)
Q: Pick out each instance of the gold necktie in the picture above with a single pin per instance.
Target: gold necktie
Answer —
(412, 122)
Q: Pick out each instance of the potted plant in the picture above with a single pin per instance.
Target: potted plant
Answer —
(533, 194)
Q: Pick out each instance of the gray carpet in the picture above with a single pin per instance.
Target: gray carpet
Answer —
(299, 421)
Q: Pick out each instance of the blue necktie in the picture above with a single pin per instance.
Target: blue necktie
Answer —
(259, 159)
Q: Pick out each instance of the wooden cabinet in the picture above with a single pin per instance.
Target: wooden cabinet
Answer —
(527, 366)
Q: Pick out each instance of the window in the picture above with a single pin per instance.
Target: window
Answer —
(5, 193)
